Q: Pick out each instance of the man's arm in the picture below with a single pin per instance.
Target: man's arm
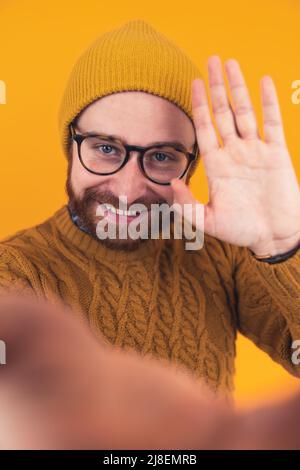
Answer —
(268, 304)
(15, 272)
(98, 397)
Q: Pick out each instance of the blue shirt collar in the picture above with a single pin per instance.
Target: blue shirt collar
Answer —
(75, 220)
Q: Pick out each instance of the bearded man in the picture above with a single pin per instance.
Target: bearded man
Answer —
(134, 120)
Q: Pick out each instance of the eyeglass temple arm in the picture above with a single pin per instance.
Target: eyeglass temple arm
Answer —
(72, 129)
(196, 149)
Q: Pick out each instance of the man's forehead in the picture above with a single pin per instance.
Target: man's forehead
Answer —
(136, 133)
(131, 114)
(124, 137)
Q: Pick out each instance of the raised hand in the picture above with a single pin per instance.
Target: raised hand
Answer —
(254, 197)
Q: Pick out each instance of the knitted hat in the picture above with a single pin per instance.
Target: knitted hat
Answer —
(135, 57)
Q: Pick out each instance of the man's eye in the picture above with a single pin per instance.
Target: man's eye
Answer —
(107, 149)
(161, 157)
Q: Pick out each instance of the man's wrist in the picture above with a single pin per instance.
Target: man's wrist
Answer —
(277, 257)
(274, 248)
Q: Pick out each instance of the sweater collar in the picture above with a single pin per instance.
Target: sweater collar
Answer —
(66, 223)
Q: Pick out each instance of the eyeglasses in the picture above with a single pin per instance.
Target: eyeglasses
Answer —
(105, 155)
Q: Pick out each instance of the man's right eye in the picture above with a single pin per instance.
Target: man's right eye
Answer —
(106, 148)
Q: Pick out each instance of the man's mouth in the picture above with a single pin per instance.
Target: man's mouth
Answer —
(121, 215)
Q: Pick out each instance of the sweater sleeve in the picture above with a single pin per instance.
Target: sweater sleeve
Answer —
(268, 304)
(14, 273)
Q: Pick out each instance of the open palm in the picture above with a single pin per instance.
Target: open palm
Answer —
(254, 197)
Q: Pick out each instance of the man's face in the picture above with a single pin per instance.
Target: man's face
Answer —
(138, 118)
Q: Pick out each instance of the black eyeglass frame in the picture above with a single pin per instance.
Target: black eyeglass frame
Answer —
(79, 138)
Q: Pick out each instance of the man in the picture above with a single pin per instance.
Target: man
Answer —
(134, 87)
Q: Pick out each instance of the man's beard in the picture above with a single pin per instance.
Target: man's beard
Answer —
(85, 208)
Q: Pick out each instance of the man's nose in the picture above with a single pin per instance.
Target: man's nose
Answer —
(129, 181)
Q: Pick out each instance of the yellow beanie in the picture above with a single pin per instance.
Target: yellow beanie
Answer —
(135, 57)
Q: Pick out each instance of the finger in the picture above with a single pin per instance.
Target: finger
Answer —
(206, 134)
(243, 110)
(219, 99)
(273, 128)
(182, 193)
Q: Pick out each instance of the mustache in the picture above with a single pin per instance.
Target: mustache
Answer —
(107, 197)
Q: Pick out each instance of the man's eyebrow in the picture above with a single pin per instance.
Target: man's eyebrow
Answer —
(116, 138)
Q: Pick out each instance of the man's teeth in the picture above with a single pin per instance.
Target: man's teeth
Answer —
(128, 213)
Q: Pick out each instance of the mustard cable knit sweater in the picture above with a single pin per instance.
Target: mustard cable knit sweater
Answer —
(183, 306)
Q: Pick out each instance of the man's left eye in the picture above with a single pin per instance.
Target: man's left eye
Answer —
(161, 156)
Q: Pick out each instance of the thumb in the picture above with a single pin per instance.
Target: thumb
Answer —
(191, 209)
(182, 196)
(182, 193)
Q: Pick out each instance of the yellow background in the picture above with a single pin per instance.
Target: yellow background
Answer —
(39, 43)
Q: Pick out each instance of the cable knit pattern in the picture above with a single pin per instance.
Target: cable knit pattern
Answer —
(161, 300)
